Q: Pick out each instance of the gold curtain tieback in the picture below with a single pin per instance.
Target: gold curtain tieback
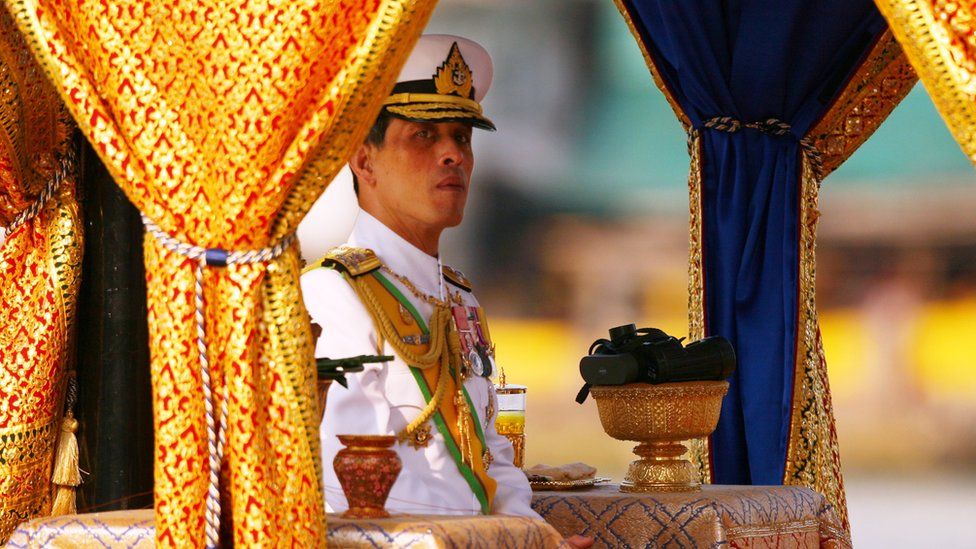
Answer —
(216, 434)
(65, 165)
(769, 126)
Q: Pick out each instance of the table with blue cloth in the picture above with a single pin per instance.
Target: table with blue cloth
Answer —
(717, 516)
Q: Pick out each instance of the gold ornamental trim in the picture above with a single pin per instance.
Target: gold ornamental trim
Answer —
(431, 111)
(696, 265)
(870, 95)
(456, 278)
(669, 390)
(698, 449)
(776, 529)
(937, 39)
(355, 261)
(878, 86)
(813, 454)
(26, 459)
(412, 98)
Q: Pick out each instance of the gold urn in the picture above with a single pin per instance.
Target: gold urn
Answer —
(660, 417)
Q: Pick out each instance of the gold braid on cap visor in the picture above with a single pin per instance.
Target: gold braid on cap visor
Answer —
(413, 98)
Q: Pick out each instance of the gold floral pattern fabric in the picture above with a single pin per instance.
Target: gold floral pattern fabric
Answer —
(134, 529)
(222, 122)
(939, 38)
(40, 266)
(877, 87)
(884, 78)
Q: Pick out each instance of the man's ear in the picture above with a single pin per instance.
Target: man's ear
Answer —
(361, 164)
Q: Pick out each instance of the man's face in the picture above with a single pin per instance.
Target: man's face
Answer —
(422, 170)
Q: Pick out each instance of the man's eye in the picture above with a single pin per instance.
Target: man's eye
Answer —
(463, 138)
(423, 134)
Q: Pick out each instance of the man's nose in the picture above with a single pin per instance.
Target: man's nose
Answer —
(451, 153)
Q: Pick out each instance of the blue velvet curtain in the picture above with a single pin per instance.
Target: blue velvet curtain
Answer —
(752, 60)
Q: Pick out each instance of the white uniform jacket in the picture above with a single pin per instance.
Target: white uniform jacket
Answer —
(385, 397)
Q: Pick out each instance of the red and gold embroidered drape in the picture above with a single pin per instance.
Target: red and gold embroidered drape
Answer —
(222, 122)
(939, 39)
(879, 83)
(40, 265)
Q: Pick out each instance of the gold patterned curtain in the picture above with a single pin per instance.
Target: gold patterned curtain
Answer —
(222, 121)
(939, 39)
(878, 83)
(882, 80)
(40, 266)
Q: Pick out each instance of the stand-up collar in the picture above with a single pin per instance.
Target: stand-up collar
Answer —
(395, 252)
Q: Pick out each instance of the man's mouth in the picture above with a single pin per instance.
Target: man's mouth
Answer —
(451, 183)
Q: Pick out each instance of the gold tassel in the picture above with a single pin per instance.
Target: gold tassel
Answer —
(66, 476)
(464, 429)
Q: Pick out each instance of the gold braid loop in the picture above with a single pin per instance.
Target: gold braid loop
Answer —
(439, 322)
(443, 346)
(431, 407)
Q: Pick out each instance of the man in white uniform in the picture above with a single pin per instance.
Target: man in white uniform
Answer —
(386, 293)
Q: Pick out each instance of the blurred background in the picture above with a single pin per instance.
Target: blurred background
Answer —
(578, 221)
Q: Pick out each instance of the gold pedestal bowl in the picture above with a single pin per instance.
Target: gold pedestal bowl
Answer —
(660, 417)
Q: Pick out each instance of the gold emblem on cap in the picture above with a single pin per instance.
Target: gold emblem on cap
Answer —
(454, 76)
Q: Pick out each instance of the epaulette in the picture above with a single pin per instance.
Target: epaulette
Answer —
(353, 261)
(455, 277)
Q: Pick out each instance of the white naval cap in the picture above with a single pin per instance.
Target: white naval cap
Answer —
(444, 79)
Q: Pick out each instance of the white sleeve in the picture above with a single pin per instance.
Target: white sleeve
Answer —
(513, 495)
(347, 330)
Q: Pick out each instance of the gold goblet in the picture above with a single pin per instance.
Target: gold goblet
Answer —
(660, 417)
(510, 420)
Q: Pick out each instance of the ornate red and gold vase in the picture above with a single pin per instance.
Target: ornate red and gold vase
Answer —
(367, 468)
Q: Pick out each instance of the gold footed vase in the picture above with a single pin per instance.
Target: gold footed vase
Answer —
(660, 417)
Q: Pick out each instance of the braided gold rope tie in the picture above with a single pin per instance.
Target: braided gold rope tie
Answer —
(66, 164)
(216, 434)
(443, 346)
(769, 126)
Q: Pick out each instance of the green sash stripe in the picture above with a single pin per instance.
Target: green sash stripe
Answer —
(452, 448)
(403, 301)
(466, 472)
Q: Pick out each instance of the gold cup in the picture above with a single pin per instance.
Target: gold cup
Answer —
(510, 421)
(660, 417)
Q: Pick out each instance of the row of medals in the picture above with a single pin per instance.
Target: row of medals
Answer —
(480, 362)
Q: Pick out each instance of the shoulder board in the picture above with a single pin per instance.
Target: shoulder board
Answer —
(455, 277)
(354, 261)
